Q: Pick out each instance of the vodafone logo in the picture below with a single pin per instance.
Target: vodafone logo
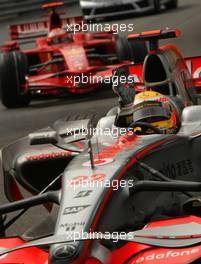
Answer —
(165, 255)
(48, 155)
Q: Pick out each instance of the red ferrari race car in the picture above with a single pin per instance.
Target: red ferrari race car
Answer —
(62, 61)
(123, 198)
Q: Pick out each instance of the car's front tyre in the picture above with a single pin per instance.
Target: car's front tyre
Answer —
(157, 6)
(13, 69)
(134, 50)
(172, 4)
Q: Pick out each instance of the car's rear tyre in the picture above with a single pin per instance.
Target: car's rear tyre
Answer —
(122, 48)
(134, 50)
(139, 50)
(87, 13)
(2, 229)
(157, 6)
(13, 69)
(172, 4)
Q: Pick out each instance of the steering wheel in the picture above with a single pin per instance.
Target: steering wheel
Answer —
(145, 126)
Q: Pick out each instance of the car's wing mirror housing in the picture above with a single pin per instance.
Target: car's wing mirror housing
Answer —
(198, 96)
(43, 137)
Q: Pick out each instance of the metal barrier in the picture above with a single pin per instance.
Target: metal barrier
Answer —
(17, 7)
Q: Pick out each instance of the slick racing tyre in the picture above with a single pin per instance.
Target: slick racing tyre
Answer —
(157, 6)
(138, 50)
(172, 4)
(134, 50)
(13, 69)
(2, 229)
(122, 48)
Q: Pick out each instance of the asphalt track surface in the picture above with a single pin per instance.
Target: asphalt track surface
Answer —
(19, 122)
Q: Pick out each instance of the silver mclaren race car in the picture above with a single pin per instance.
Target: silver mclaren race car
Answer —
(93, 9)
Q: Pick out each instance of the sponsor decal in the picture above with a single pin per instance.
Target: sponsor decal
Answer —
(97, 177)
(49, 155)
(113, 150)
(72, 226)
(177, 169)
(83, 194)
(166, 255)
(93, 178)
(98, 162)
(74, 209)
(79, 179)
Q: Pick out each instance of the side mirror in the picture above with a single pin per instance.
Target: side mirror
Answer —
(197, 96)
(44, 137)
(192, 206)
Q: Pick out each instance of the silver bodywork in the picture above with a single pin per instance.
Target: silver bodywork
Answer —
(102, 8)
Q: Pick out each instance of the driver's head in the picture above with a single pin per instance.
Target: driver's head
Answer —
(56, 36)
(56, 32)
(157, 110)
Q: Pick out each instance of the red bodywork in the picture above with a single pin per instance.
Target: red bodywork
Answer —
(77, 74)
(139, 253)
(63, 51)
(131, 253)
(30, 255)
(191, 65)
